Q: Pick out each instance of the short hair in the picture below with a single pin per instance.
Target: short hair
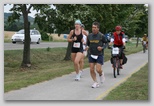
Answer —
(97, 24)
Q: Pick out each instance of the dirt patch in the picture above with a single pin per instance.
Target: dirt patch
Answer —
(8, 34)
(61, 37)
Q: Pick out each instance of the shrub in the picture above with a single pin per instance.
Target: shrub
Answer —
(44, 36)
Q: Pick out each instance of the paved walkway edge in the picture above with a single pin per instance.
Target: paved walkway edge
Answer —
(103, 95)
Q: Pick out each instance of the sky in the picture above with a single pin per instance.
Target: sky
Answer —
(8, 7)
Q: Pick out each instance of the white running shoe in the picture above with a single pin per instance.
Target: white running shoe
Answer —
(102, 77)
(81, 73)
(77, 78)
(95, 85)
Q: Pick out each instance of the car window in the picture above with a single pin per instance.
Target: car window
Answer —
(36, 33)
(32, 33)
(20, 32)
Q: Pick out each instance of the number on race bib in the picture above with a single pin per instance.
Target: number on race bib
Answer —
(76, 45)
(115, 50)
(144, 42)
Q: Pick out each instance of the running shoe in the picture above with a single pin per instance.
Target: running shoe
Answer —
(81, 73)
(95, 85)
(102, 77)
(77, 78)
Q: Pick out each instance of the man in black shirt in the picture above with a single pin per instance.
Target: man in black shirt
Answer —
(95, 43)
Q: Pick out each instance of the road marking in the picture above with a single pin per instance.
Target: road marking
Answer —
(100, 97)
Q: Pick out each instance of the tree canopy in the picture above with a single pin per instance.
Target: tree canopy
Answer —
(132, 17)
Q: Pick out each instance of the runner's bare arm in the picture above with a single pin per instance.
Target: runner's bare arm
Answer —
(69, 38)
(88, 43)
(82, 40)
(84, 32)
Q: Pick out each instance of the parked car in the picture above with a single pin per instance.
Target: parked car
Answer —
(35, 36)
(126, 37)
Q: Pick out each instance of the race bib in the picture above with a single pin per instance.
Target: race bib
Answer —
(94, 56)
(76, 45)
(144, 42)
(115, 50)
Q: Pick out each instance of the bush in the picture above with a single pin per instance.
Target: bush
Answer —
(48, 49)
(44, 36)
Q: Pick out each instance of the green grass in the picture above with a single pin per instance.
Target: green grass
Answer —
(7, 40)
(46, 65)
(131, 48)
(135, 88)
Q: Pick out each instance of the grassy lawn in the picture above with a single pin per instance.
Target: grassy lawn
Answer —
(46, 65)
(135, 88)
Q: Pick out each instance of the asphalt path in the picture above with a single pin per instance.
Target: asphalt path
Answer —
(66, 88)
(19, 46)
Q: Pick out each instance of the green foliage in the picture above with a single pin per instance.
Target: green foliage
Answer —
(44, 36)
(45, 20)
(109, 15)
(132, 17)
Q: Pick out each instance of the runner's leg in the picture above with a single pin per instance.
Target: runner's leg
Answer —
(92, 71)
(73, 55)
(99, 68)
(82, 62)
(77, 60)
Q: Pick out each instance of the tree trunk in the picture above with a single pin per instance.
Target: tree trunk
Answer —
(137, 41)
(68, 52)
(26, 51)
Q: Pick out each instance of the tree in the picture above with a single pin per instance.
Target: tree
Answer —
(25, 9)
(46, 18)
(17, 11)
(108, 15)
(131, 20)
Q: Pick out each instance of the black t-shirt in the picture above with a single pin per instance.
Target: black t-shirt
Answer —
(94, 41)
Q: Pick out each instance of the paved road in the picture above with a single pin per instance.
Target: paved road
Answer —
(10, 46)
(65, 88)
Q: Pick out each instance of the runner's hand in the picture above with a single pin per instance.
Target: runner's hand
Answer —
(87, 48)
(99, 48)
(75, 38)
